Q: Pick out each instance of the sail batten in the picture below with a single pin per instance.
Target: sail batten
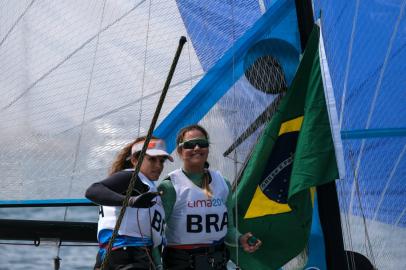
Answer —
(46, 203)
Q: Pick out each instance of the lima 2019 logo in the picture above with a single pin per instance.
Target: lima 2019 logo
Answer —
(215, 202)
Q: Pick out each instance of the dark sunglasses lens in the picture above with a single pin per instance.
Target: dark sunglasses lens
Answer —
(203, 144)
(192, 144)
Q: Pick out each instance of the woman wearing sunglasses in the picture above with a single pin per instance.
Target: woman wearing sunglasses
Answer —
(198, 209)
(142, 226)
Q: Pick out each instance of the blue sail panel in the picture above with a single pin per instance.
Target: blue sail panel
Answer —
(220, 18)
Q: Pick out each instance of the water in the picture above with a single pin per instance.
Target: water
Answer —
(21, 257)
(28, 256)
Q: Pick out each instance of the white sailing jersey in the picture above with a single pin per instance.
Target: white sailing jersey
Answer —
(137, 222)
(195, 218)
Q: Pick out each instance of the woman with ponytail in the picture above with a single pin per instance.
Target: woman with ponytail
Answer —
(198, 209)
(143, 223)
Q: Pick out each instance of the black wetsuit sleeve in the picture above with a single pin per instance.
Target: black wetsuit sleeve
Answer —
(111, 191)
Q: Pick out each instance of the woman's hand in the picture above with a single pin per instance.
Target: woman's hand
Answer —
(249, 243)
(144, 200)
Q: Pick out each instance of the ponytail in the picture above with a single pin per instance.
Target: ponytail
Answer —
(206, 184)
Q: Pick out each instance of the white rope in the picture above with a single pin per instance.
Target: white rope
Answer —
(85, 106)
(235, 136)
(395, 167)
(144, 67)
(400, 216)
(352, 258)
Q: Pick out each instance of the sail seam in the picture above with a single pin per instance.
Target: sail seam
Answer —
(347, 66)
(129, 104)
(16, 22)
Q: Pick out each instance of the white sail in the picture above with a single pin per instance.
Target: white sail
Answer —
(80, 79)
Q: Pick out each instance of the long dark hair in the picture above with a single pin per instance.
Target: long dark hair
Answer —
(179, 139)
(123, 158)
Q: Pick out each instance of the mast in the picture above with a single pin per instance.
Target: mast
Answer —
(327, 199)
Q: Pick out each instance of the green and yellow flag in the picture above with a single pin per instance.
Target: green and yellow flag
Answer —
(294, 153)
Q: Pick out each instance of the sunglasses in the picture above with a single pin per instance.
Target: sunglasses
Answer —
(191, 144)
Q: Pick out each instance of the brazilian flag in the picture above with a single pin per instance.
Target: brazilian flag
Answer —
(294, 153)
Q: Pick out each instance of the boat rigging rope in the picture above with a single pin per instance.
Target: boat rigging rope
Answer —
(235, 136)
(341, 117)
(144, 68)
(368, 245)
(346, 226)
(106, 259)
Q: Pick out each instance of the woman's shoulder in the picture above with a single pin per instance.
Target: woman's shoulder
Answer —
(166, 186)
(221, 178)
(117, 177)
(123, 173)
(174, 173)
(166, 183)
(218, 174)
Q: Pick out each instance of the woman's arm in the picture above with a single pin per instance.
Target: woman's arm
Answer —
(110, 191)
(232, 236)
(156, 257)
(168, 197)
